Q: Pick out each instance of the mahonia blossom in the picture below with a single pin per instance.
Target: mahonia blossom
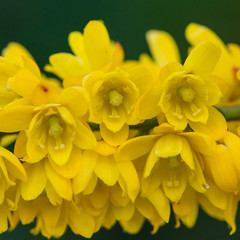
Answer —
(112, 140)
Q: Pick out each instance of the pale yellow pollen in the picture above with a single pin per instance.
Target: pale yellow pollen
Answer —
(115, 98)
(206, 186)
(56, 131)
(178, 113)
(42, 139)
(173, 164)
(186, 94)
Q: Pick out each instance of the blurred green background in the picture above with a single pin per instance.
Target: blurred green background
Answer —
(42, 26)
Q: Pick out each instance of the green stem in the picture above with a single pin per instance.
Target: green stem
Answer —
(231, 113)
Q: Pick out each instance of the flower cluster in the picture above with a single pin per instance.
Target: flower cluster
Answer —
(112, 140)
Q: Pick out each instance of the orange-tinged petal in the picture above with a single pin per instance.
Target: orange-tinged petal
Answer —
(130, 177)
(163, 47)
(114, 138)
(202, 59)
(169, 145)
(106, 169)
(87, 166)
(36, 182)
(14, 119)
(97, 44)
(161, 204)
(223, 170)
(61, 185)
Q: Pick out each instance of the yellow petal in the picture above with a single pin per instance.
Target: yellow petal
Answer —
(81, 223)
(72, 95)
(134, 225)
(216, 125)
(161, 204)
(15, 119)
(151, 161)
(123, 213)
(20, 145)
(104, 149)
(179, 123)
(163, 47)
(34, 151)
(232, 141)
(14, 53)
(169, 145)
(61, 185)
(168, 69)
(177, 179)
(150, 98)
(135, 147)
(60, 155)
(97, 44)
(186, 154)
(65, 65)
(142, 77)
(216, 196)
(71, 168)
(200, 142)
(114, 138)
(222, 168)
(13, 164)
(53, 197)
(87, 166)
(22, 79)
(130, 177)
(76, 43)
(106, 169)
(36, 182)
(84, 137)
(114, 124)
(202, 59)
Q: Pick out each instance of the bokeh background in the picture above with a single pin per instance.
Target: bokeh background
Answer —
(42, 26)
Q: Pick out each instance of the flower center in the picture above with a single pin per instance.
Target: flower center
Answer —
(115, 98)
(56, 130)
(187, 94)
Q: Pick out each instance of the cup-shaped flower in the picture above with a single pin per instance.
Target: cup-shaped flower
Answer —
(113, 99)
(172, 160)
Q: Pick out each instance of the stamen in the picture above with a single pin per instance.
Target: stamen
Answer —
(42, 139)
(173, 164)
(186, 94)
(56, 131)
(178, 113)
(115, 98)
(195, 109)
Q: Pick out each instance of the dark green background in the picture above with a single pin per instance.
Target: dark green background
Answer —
(42, 26)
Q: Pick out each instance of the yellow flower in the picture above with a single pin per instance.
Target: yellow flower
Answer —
(10, 169)
(113, 97)
(53, 120)
(171, 161)
(101, 163)
(228, 65)
(93, 50)
(11, 61)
